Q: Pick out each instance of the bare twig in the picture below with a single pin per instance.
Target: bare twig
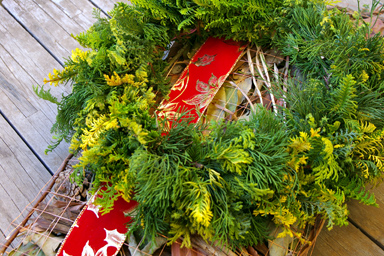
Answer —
(267, 81)
(175, 58)
(245, 95)
(252, 69)
(44, 194)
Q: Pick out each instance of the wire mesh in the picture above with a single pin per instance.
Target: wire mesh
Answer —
(45, 221)
(253, 81)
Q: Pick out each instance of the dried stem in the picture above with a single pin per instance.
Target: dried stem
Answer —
(175, 58)
(267, 81)
(245, 95)
(39, 200)
(252, 69)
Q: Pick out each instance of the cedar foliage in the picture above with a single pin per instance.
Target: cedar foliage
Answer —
(255, 21)
(230, 184)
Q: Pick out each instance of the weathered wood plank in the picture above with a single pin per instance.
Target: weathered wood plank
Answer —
(22, 176)
(2, 238)
(23, 104)
(369, 218)
(8, 212)
(354, 5)
(48, 23)
(17, 83)
(33, 135)
(13, 197)
(74, 16)
(23, 62)
(342, 241)
(24, 49)
(107, 5)
(31, 116)
(52, 10)
(20, 164)
(43, 27)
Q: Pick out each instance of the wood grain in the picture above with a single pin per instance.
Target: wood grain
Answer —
(8, 212)
(36, 137)
(107, 5)
(23, 63)
(42, 26)
(48, 23)
(370, 218)
(343, 241)
(22, 176)
(74, 16)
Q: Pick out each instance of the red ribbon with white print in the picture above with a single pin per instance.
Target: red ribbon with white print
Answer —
(95, 234)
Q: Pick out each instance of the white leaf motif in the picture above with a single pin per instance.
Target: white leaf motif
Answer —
(114, 238)
(94, 208)
(87, 250)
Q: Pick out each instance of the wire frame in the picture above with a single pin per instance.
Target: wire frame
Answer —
(251, 83)
(45, 220)
(43, 224)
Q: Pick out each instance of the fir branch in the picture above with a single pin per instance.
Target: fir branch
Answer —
(45, 94)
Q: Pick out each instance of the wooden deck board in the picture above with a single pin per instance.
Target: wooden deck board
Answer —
(23, 105)
(75, 10)
(18, 72)
(17, 83)
(345, 241)
(108, 5)
(44, 27)
(22, 176)
(8, 212)
(105, 5)
(370, 218)
(71, 23)
(24, 62)
(351, 240)
(32, 172)
(34, 135)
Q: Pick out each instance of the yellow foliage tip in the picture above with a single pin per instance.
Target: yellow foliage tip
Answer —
(75, 144)
(315, 133)
(332, 2)
(116, 80)
(366, 127)
(201, 209)
(302, 160)
(78, 54)
(364, 76)
(300, 144)
(328, 149)
(54, 78)
(285, 233)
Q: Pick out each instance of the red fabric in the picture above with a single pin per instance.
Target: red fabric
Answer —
(202, 78)
(102, 235)
(97, 234)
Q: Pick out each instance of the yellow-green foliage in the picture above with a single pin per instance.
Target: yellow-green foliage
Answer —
(231, 183)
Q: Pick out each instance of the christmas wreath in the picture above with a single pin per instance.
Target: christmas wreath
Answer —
(227, 179)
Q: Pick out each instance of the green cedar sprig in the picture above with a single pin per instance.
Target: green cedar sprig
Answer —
(230, 184)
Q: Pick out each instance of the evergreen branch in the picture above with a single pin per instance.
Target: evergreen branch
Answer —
(45, 94)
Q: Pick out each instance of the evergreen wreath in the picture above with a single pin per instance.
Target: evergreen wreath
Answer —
(231, 183)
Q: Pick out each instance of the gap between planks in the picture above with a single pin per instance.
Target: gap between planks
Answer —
(27, 14)
(342, 241)
(95, 2)
(22, 63)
